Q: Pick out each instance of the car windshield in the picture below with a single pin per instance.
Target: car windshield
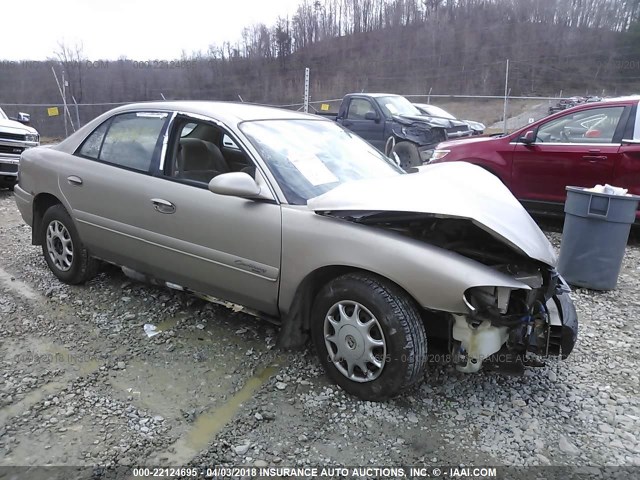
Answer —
(311, 157)
(2, 114)
(437, 112)
(397, 105)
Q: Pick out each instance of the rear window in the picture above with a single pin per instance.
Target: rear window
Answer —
(128, 140)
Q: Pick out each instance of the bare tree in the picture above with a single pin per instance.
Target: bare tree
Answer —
(73, 61)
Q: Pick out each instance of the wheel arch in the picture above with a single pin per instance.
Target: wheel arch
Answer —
(41, 203)
(294, 332)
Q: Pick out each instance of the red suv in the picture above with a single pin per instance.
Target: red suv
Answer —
(582, 146)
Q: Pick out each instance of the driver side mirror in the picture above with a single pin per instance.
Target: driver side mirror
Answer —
(528, 138)
(235, 184)
(372, 116)
(24, 118)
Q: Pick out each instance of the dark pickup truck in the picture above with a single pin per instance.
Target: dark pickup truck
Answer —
(393, 125)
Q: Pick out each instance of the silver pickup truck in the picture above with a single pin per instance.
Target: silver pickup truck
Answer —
(15, 138)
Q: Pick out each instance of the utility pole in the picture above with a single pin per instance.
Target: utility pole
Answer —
(77, 110)
(62, 91)
(506, 93)
(306, 90)
(64, 101)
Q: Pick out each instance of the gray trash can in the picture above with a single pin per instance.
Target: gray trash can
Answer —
(594, 237)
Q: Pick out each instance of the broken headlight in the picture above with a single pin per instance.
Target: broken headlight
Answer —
(438, 154)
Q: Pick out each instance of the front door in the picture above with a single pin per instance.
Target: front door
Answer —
(577, 149)
(369, 129)
(220, 245)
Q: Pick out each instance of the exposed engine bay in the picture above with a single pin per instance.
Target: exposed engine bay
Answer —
(539, 320)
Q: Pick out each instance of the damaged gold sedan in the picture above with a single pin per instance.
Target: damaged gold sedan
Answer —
(299, 220)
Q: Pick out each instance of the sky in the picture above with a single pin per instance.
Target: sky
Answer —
(136, 29)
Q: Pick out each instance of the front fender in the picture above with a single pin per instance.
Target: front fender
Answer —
(434, 277)
(418, 133)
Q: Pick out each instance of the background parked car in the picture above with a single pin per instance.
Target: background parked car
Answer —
(15, 137)
(589, 144)
(432, 111)
(396, 127)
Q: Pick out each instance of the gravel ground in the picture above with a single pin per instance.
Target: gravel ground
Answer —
(82, 384)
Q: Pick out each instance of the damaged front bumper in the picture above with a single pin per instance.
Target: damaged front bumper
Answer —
(502, 323)
(426, 151)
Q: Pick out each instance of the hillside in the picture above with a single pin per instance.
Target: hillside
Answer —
(400, 46)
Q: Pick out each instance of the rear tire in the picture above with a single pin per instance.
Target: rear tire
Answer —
(63, 250)
(369, 336)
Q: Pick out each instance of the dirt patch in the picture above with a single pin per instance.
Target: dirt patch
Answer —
(82, 385)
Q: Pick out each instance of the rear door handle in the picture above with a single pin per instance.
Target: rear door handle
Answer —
(595, 158)
(163, 206)
(74, 180)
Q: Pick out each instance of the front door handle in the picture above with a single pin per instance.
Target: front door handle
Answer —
(74, 180)
(163, 206)
(594, 158)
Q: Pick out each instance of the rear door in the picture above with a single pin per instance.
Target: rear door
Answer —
(105, 183)
(579, 149)
(370, 130)
(627, 171)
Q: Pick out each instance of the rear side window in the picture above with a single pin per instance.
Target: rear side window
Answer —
(128, 140)
(91, 146)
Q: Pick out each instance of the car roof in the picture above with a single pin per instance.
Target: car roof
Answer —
(628, 98)
(226, 112)
(375, 95)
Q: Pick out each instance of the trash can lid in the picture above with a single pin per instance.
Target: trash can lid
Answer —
(584, 191)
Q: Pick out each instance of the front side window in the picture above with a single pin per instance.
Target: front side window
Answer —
(203, 151)
(128, 140)
(228, 142)
(597, 125)
(358, 108)
(311, 157)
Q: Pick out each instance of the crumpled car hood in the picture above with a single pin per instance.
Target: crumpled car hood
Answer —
(446, 122)
(421, 119)
(455, 190)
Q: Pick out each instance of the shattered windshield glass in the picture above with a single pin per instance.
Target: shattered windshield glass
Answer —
(311, 157)
(437, 112)
(397, 105)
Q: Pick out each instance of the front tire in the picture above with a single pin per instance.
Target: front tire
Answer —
(408, 154)
(369, 336)
(63, 250)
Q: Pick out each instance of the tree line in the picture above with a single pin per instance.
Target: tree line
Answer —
(399, 46)
(319, 20)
